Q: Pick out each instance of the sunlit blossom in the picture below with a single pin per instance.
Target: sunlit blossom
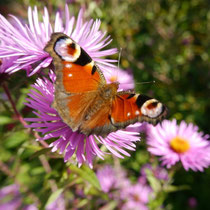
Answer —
(24, 43)
(182, 143)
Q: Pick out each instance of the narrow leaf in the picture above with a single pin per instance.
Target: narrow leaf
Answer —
(54, 196)
(87, 174)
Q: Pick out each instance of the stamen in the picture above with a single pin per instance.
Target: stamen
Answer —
(179, 145)
(113, 78)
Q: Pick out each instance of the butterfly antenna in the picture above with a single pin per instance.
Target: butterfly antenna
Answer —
(150, 82)
(118, 63)
(119, 57)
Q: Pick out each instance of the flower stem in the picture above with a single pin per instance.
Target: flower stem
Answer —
(18, 115)
(42, 158)
(20, 118)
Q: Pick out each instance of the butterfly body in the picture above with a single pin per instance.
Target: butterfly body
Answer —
(85, 101)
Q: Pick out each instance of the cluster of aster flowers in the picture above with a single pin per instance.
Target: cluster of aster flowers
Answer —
(11, 198)
(15, 200)
(115, 182)
(21, 48)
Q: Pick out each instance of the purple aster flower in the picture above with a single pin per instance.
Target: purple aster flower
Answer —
(5, 63)
(192, 202)
(124, 77)
(107, 178)
(30, 207)
(136, 197)
(10, 198)
(112, 178)
(25, 42)
(10, 189)
(49, 123)
(179, 143)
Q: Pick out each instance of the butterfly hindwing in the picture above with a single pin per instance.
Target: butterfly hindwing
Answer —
(99, 124)
(124, 109)
(128, 108)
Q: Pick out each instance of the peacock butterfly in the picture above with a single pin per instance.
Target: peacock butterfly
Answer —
(83, 99)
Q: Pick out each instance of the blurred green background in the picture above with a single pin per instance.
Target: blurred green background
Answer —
(165, 41)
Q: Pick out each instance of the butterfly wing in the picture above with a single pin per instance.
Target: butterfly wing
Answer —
(129, 108)
(100, 123)
(75, 70)
(77, 79)
(126, 108)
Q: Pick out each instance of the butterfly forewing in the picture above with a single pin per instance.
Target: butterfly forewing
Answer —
(77, 79)
(75, 70)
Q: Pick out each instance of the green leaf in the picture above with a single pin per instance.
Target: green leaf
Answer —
(54, 196)
(15, 139)
(87, 174)
(33, 147)
(172, 188)
(154, 183)
(40, 152)
(37, 170)
(5, 120)
(82, 203)
(109, 206)
(22, 99)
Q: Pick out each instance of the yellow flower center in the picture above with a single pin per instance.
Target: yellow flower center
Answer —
(179, 145)
(113, 78)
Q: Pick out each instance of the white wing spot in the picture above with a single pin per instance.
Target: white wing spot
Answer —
(128, 114)
(137, 112)
(70, 75)
(63, 45)
(112, 120)
(68, 65)
(154, 112)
